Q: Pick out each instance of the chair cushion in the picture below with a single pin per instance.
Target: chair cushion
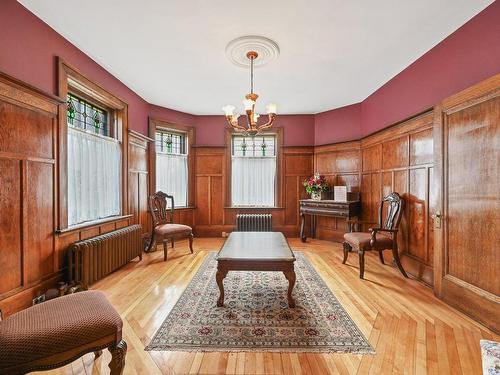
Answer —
(173, 230)
(361, 240)
(56, 326)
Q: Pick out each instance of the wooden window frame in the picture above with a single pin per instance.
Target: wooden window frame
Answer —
(278, 198)
(154, 124)
(72, 80)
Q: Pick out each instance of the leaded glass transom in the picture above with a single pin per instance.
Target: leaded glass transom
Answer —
(84, 115)
(257, 146)
(170, 142)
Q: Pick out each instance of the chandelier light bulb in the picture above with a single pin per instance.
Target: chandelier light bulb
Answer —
(229, 109)
(248, 103)
(271, 108)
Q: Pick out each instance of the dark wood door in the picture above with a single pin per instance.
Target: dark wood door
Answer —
(467, 223)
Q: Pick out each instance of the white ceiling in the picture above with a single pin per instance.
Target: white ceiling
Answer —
(332, 52)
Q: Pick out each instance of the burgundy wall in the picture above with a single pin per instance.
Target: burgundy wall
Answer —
(338, 125)
(468, 56)
(298, 129)
(171, 115)
(28, 51)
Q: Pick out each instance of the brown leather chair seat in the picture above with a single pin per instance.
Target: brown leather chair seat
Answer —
(65, 327)
(173, 230)
(362, 240)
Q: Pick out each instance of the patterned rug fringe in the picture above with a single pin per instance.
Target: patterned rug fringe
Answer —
(260, 349)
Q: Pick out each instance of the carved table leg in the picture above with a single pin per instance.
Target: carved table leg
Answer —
(290, 276)
(302, 223)
(118, 353)
(219, 277)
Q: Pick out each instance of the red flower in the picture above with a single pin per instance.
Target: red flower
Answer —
(311, 183)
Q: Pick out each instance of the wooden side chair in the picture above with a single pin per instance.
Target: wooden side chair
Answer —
(163, 223)
(379, 238)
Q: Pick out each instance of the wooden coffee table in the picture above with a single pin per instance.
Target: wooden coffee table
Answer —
(255, 251)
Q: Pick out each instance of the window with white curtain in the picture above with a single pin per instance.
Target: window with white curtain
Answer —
(172, 165)
(253, 171)
(94, 163)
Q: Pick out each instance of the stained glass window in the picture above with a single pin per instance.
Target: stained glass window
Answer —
(84, 115)
(168, 142)
(257, 146)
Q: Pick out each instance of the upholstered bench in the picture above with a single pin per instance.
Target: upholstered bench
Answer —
(57, 332)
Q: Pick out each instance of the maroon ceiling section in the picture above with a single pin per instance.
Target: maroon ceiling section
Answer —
(472, 53)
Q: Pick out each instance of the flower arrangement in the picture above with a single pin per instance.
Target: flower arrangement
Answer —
(315, 185)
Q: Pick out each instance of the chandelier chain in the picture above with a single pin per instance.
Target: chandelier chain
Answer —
(251, 75)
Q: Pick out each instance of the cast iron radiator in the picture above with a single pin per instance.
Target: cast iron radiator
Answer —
(254, 223)
(92, 259)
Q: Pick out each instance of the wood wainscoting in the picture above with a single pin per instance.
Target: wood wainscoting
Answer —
(399, 159)
(213, 214)
(33, 254)
(138, 179)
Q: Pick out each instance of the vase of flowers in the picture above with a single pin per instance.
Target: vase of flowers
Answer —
(315, 185)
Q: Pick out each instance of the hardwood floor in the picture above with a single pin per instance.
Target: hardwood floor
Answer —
(411, 330)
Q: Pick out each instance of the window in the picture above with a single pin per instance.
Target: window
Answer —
(253, 170)
(172, 164)
(86, 116)
(94, 163)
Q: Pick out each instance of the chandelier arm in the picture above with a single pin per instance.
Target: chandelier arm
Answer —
(268, 124)
(235, 125)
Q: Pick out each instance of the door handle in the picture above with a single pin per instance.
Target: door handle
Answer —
(437, 219)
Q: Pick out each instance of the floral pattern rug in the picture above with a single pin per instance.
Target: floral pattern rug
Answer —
(256, 316)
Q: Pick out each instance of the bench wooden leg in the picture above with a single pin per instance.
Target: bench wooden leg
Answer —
(118, 353)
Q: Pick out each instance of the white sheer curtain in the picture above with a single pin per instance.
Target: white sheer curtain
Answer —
(94, 177)
(172, 176)
(253, 180)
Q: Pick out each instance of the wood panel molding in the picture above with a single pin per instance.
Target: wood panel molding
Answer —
(399, 159)
(466, 152)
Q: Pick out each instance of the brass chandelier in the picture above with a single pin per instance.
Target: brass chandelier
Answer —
(251, 127)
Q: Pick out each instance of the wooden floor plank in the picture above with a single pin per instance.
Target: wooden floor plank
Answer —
(411, 330)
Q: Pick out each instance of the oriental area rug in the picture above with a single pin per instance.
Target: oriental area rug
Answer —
(256, 316)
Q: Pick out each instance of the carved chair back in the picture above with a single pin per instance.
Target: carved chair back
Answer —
(394, 211)
(161, 213)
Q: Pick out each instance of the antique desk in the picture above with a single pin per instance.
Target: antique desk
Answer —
(331, 208)
(255, 251)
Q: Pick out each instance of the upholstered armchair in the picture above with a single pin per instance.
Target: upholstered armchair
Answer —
(379, 238)
(164, 228)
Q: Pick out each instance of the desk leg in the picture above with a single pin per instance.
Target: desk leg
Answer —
(290, 276)
(219, 277)
(302, 223)
(313, 226)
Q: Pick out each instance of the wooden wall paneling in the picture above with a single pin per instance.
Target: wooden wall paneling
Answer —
(381, 163)
(11, 277)
(40, 251)
(467, 260)
(28, 130)
(138, 182)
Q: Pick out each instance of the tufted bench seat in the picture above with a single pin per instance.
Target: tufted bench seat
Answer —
(59, 331)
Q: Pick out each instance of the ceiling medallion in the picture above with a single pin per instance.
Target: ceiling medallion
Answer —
(252, 58)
